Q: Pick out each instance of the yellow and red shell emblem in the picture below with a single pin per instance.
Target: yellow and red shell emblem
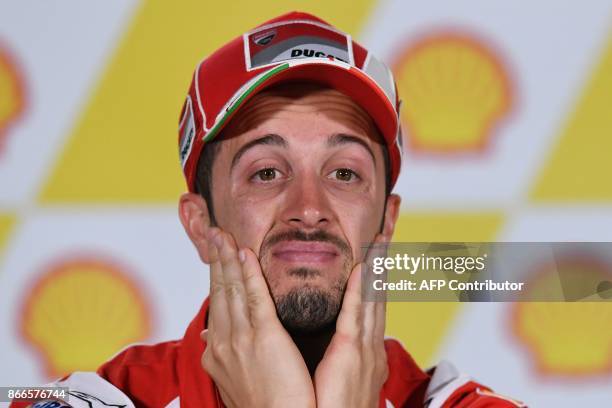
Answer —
(455, 91)
(12, 93)
(81, 312)
(568, 339)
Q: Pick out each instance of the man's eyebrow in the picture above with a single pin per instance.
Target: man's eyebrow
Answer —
(269, 139)
(342, 138)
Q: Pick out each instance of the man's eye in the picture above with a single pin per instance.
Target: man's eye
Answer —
(345, 175)
(266, 174)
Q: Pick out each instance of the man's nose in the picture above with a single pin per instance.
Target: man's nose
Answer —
(307, 205)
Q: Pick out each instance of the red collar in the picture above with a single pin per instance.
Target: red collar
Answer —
(405, 385)
(196, 387)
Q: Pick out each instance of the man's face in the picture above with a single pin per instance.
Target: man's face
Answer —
(299, 178)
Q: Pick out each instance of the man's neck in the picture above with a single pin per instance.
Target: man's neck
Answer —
(313, 347)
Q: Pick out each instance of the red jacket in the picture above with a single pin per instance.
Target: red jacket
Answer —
(170, 375)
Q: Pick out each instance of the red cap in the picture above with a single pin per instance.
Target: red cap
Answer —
(294, 46)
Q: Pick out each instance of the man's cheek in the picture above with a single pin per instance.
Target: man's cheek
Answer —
(253, 225)
(253, 195)
(359, 228)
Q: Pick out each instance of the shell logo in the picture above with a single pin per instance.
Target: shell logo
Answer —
(569, 339)
(455, 92)
(81, 312)
(12, 94)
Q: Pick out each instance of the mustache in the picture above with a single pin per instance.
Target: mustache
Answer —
(299, 235)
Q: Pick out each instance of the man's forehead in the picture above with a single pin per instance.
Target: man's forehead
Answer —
(289, 101)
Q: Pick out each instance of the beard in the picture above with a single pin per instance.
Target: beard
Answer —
(309, 309)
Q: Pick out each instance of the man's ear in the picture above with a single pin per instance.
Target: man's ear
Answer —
(195, 218)
(392, 209)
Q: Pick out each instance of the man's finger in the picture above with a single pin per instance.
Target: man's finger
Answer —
(259, 301)
(350, 313)
(381, 318)
(218, 311)
(369, 316)
(235, 293)
(375, 301)
(377, 249)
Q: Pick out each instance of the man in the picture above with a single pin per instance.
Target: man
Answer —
(290, 143)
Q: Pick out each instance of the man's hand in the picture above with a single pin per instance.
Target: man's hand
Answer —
(354, 367)
(251, 357)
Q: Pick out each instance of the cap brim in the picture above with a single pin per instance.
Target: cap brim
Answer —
(348, 80)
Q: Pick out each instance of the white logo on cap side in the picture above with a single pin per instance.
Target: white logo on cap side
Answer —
(188, 133)
(381, 74)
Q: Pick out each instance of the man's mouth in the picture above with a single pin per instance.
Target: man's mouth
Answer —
(305, 252)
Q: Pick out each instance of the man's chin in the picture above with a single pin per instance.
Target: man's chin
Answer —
(309, 309)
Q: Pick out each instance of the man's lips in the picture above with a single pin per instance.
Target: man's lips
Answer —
(305, 251)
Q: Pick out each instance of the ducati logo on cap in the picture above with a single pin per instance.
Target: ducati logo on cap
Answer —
(291, 40)
(264, 38)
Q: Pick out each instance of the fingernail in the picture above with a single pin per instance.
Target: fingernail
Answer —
(241, 256)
